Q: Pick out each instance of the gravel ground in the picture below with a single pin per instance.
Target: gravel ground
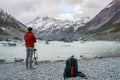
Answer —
(94, 69)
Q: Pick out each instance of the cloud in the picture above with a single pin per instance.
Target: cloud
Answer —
(84, 8)
(27, 10)
(66, 16)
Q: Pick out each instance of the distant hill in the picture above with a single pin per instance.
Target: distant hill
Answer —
(10, 27)
(105, 25)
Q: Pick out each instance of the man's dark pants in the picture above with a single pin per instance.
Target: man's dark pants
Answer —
(29, 56)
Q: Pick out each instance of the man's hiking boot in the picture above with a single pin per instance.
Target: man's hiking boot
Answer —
(31, 67)
(27, 67)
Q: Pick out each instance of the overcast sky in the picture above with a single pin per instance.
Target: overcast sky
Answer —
(27, 10)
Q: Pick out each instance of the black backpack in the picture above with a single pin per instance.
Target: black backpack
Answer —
(71, 69)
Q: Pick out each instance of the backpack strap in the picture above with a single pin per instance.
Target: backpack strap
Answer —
(71, 71)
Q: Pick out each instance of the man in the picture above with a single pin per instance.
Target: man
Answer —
(29, 43)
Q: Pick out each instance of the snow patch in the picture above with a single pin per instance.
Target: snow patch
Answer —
(110, 5)
(3, 28)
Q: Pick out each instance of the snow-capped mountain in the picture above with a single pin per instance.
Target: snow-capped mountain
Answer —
(105, 25)
(55, 29)
(10, 27)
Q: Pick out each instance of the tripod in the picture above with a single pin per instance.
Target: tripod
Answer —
(35, 57)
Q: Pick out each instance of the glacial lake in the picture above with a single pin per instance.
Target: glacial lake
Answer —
(57, 50)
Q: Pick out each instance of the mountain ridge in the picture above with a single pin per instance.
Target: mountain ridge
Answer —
(10, 27)
(56, 29)
(102, 26)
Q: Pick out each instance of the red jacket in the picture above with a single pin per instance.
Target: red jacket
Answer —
(29, 39)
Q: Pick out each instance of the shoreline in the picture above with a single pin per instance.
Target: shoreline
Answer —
(62, 60)
(94, 69)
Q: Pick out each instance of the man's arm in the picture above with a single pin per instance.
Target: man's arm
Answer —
(34, 38)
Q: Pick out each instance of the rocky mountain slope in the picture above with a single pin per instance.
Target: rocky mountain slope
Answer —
(10, 27)
(55, 29)
(105, 25)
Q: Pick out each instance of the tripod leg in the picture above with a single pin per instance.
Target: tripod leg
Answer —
(35, 59)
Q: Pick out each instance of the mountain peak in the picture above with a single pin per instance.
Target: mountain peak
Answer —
(114, 2)
(38, 17)
(45, 18)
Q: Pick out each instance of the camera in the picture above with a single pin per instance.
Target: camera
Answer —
(35, 49)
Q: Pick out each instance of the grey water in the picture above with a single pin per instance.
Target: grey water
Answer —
(57, 50)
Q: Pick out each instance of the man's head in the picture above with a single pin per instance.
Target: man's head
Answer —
(29, 28)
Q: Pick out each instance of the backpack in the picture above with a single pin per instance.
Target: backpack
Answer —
(71, 69)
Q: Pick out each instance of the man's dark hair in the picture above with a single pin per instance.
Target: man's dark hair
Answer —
(72, 56)
(29, 28)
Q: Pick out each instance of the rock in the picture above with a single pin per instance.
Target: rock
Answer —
(2, 60)
(19, 59)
